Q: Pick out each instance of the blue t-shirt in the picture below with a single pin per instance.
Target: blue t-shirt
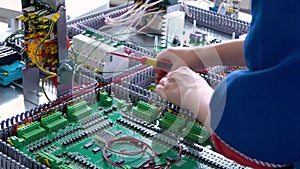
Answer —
(257, 111)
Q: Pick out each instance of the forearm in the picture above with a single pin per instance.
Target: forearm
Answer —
(231, 53)
(227, 53)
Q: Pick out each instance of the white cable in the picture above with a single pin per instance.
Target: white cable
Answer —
(134, 18)
(140, 19)
(185, 7)
(149, 23)
(137, 12)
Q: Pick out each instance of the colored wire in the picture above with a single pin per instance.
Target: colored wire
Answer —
(145, 146)
(127, 139)
(165, 165)
(135, 15)
(37, 48)
(51, 74)
(149, 23)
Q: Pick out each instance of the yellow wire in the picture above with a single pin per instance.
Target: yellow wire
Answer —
(36, 51)
(43, 84)
(51, 74)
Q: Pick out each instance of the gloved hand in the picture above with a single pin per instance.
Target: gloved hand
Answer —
(194, 58)
(185, 88)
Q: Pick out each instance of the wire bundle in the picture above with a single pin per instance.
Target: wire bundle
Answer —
(134, 15)
(144, 146)
(40, 67)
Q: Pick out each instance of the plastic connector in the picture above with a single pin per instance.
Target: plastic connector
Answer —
(146, 106)
(10, 73)
(31, 132)
(16, 142)
(49, 160)
(173, 118)
(21, 18)
(28, 128)
(55, 17)
(54, 121)
(145, 111)
(169, 125)
(105, 100)
(196, 132)
(171, 122)
(78, 111)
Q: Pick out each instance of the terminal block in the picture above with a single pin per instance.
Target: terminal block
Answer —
(145, 111)
(16, 141)
(171, 122)
(31, 132)
(78, 111)
(196, 133)
(54, 121)
(105, 100)
(49, 160)
(10, 73)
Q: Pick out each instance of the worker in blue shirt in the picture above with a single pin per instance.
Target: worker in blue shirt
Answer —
(253, 115)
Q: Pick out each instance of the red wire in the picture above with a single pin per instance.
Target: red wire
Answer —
(125, 139)
(145, 147)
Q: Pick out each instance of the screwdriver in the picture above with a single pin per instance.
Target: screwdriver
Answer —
(160, 64)
(164, 65)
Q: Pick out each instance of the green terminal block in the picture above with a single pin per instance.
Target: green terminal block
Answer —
(171, 122)
(78, 111)
(31, 132)
(105, 100)
(17, 142)
(145, 111)
(169, 125)
(174, 118)
(54, 122)
(49, 160)
(197, 133)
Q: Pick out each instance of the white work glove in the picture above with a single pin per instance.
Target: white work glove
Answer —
(187, 89)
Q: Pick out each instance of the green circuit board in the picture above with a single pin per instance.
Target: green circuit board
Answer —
(75, 139)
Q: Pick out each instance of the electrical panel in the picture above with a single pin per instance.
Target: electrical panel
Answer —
(103, 128)
(113, 119)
